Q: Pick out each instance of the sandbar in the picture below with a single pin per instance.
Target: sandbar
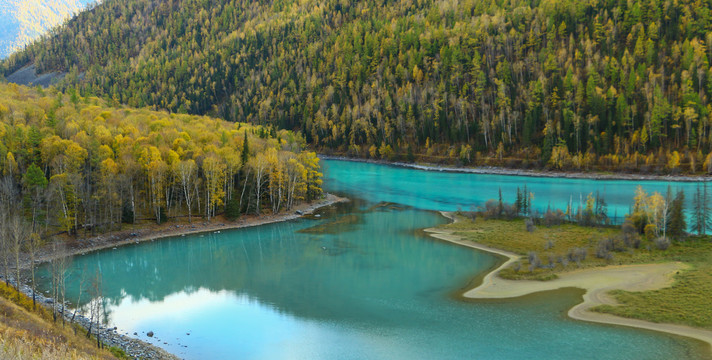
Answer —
(597, 282)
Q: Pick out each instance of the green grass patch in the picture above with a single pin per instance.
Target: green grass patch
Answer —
(550, 245)
(685, 302)
(119, 353)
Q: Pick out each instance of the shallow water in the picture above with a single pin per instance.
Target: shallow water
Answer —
(359, 282)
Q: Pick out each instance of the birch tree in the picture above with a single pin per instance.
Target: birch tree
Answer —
(214, 174)
(186, 172)
(260, 166)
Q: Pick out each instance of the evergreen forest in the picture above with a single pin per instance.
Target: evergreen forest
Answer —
(612, 85)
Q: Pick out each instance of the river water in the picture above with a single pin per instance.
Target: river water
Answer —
(360, 281)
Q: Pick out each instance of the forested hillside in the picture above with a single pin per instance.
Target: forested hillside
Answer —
(70, 163)
(565, 84)
(22, 21)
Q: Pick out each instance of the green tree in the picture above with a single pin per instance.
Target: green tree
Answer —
(34, 183)
(676, 222)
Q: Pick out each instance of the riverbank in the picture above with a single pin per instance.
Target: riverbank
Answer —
(493, 170)
(597, 282)
(138, 234)
(28, 332)
(132, 346)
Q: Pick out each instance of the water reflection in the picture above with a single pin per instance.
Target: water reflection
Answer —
(358, 282)
(434, 190)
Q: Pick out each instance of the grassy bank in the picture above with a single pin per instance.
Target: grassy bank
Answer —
(685, 302)
(561, 249)
(31, 334)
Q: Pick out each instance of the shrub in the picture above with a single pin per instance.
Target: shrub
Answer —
(549, 244)
(472, 215)
(603, 250)
(552, 218)
(534, 261)
(491, 209)
(509, 211)
(650, 231)
(577, 255)
(118, 352)
(628, 227)
(530, 225)
(662, 243)
(552, 261)
(127, 215)
(232, 209)
(629, 234)
(517, 266)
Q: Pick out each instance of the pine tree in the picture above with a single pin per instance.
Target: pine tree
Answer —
(35, 183)
(518, 202)
(698, 220)
(245, 150)
(706, 211)
(500, 207)
(676, 220)
(601, 208)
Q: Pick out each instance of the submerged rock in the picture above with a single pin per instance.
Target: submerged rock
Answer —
(150, 334)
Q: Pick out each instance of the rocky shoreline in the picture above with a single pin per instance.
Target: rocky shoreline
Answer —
(493, 170)
(134, 348)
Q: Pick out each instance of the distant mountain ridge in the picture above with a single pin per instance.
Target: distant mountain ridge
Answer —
(559, 84)
(22, 21)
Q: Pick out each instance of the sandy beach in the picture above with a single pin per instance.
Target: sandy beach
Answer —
(596, 282)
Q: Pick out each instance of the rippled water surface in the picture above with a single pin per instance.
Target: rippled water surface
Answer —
(358, 282)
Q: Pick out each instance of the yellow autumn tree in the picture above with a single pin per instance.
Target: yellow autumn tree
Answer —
(214, 174)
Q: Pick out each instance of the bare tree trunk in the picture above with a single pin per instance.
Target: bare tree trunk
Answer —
(19, 234)
(244, 186)
(95, 305)
(33, 242)
(8, 199)
(82, 278)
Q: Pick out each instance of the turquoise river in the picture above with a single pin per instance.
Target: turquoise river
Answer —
(359, 281)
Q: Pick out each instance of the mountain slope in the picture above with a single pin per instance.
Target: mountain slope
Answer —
(27, 333)
(25, 20)
(601, 84)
